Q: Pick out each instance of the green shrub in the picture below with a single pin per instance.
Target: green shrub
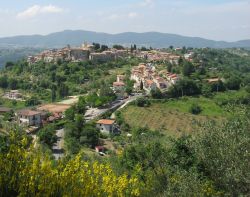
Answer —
(195, 109)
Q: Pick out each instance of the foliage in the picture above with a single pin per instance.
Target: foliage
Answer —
(224, 155)
(118, 47)
(33, 101)
(184, 87)
(156, 93)
(47, 135)
(188, 68)
(195, 109)
(26, 172)
(142, 102)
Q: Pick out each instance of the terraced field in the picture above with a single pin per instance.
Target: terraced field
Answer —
(173, 117)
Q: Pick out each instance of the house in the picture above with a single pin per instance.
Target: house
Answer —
(160, 82)
(13, 94)
(29, 117)
(120, 78)
(149, 85)
(106, 126)
(119, 89)
(118, 86)
(4, 110)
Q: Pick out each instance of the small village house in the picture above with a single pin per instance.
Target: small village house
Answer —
(13, 94)
(106, 126)
(29, 118)
(4, 110)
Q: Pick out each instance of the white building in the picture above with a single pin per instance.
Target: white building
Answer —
(29, 118)
(106, 126)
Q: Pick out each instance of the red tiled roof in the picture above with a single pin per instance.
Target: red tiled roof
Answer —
(149, 82)
(118, 83)
(105, 121)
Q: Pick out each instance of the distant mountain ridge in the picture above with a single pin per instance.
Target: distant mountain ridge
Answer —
(154, 39)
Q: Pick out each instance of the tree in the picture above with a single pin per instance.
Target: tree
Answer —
(156, 93)
(96, 46)
(188, 68)
(9, 64)
(32, 101)
(13, 83)
(195, 109)
(4, 82)
(184, 87)
(206, 90)
(53, 93)
(63, 90)
(29, 172)
(141, 102)
(47, 135)
(233, 83)
(70, 114)
(118, 47)
(135, 47)
(141, 85)
(223, 157)
(104, 47)
(218, 86)
(169, 67)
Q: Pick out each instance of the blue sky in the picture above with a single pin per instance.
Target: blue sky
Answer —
(213, 19)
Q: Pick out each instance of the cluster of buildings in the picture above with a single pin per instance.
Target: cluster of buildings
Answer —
(189, 56)
(159, 56)
(146, 77)
(13, 95)
(76, 54)
(108, 55)
(32, 119)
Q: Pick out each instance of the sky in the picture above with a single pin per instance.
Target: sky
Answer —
(227, 20)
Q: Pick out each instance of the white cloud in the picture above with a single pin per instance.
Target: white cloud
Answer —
(37, 9)
(132, 15)
(146, 3)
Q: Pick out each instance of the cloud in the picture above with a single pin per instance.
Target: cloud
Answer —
(146, 3)
(132, 15)
(37, 10)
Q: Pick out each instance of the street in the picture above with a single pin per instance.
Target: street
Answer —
(57, 148)
(93, 113)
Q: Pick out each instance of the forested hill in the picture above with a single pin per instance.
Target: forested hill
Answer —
(154, 39)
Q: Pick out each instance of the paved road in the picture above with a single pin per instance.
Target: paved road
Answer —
(93, 113)
(57, 148)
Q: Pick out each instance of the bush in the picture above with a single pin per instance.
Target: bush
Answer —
(195, 109)
(141, 102)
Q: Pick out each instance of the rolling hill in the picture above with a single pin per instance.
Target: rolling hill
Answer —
(154, 39)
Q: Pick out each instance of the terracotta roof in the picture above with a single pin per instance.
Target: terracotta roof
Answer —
(105, 121)
(149, 82)
(118, 83)
(28, 112)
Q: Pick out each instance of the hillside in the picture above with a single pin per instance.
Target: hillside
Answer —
(154, 39)
(14, 54)
(174, 118)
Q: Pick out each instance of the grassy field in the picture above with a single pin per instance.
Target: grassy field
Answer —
(173, 116)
